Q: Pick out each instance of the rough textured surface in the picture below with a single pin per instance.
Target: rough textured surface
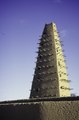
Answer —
(58, 109)
(63, 110)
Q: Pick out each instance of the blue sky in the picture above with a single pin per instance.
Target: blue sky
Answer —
(21, 25)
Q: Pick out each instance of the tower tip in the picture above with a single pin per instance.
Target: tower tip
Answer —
(51, 23)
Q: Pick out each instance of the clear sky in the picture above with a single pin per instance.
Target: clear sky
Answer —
(21, 24)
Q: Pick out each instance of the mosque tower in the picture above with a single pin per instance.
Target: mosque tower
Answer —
(50, 76)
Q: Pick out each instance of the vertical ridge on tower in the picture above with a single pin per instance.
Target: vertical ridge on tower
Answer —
(50, 77)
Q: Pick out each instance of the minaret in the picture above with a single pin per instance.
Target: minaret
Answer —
(50, 77)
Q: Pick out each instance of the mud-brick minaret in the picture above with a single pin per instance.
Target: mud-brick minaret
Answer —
(50, 77)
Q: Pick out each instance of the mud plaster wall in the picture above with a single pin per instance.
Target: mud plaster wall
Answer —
(63, 110)
(53, 110)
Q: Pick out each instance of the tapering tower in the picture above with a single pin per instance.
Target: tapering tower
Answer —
(50, 77)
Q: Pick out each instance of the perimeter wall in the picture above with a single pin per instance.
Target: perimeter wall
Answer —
(42, 110)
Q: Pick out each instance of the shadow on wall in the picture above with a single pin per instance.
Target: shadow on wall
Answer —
(19, 112)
